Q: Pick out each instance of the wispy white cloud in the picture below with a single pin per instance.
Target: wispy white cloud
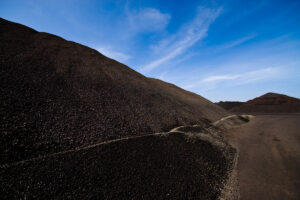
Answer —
(190, 34)
(258, 75)
(147, 20)
(162, 75)
(163, 44)
(213, 81)
(161, 60)
(214, 49)
(220, 78)
(111, 53)
(236, 42)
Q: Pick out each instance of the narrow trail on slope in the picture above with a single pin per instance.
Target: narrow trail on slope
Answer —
(212, 138)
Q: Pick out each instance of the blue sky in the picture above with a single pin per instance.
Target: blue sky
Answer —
(222, 50)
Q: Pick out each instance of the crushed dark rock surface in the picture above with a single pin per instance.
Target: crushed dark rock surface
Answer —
(161, 166)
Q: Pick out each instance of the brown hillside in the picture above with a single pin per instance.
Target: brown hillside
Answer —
(56, 95)
(274, 99)
(270, 103)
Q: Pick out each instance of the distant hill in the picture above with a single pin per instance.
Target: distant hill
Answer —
(57, 95)
(274, 99)
(267, 103)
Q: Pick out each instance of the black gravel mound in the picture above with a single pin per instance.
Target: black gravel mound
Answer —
(165, 166)
(57, 95)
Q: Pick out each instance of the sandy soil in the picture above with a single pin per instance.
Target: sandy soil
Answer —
(269, 157)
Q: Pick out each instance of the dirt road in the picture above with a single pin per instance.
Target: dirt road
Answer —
(269, 157)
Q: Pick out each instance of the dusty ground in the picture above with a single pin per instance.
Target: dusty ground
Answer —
(269, 157)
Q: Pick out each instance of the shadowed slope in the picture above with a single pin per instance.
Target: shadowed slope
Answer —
(57, 95)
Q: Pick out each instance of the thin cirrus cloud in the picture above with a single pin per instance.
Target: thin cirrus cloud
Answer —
(235, 43)
(111, 53)
(220, 78)
(257, 75)
(138, 21)
(215, 49)
(147, 20)
(211, 82)
(189, 35)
